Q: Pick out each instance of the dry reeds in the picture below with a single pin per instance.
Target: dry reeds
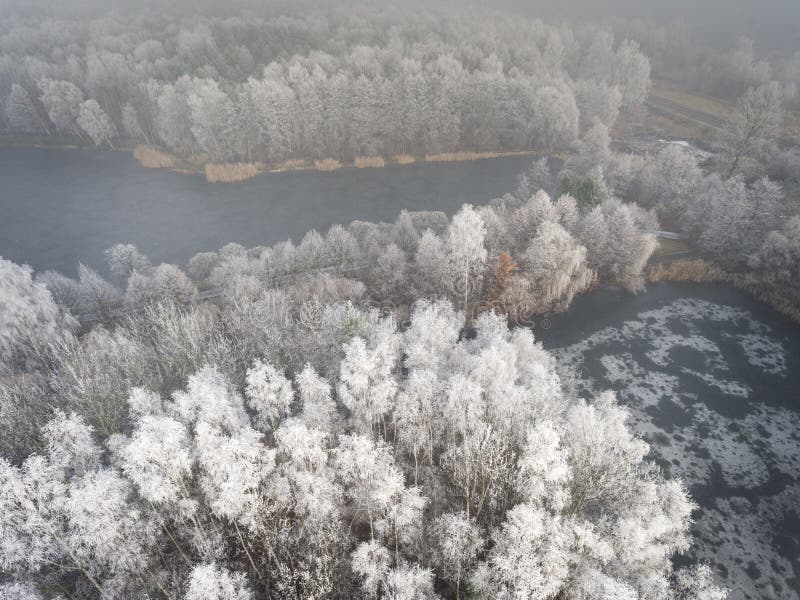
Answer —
(694, 271)
(327, 164)
(230, 172)
(291, 164)
(703, 271)
(153, 158)
(404, 159)
(369, 162)
(460, 156)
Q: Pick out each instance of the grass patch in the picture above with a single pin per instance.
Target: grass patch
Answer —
(153, 158)
(327, 164)
(712, 107)
(230, 172)
(369, 162)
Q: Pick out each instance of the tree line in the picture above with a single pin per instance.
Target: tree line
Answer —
(324, 83)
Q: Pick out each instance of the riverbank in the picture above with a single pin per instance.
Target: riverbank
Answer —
(154, 157)
(157, 158)
(699, 270)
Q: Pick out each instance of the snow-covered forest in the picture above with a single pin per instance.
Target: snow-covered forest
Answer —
(254, 448)
(331, 82)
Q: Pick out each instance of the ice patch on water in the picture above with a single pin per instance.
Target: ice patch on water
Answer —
(729, 388)
(765, 353)
(648, 387)
(664, 344)
(777, 429)
(696, 443)
(741, 466)
(737, 536)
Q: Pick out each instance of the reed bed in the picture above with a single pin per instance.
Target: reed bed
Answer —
(230, 172)
(153, 158)
(404, 159)
(703, 271)
(460, 156)
(695, 271)
(327, 164)
(369, 162)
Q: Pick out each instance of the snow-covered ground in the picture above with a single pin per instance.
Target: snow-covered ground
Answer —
(710, 387)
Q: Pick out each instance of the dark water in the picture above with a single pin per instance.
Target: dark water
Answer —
(712, 379)
(58, 207)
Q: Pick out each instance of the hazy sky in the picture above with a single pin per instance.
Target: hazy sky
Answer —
(772, 23)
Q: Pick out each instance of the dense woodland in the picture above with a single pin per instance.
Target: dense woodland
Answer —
(362, 413)
(332, 83)
(261, 446)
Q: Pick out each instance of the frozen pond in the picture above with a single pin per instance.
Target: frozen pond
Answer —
(712, 379)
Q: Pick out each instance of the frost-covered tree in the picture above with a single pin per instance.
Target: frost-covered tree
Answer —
(171, 283)
(212, 582)
(22, 113)
(466, 253)
(31, 323)
(214, 87)
(95, 122)
(554, 266)
(98, 296)
(619, 243)
(458, 542)
(269, 394)
(670, 180)
(756, 120)
(125, 259)
(778, 258)
(367, 385)
(62, 101)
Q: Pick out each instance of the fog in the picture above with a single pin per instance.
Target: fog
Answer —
(772, 23)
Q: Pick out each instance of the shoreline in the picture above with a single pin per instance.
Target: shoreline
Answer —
(699, 270)
(241, 171)
(154, 157)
